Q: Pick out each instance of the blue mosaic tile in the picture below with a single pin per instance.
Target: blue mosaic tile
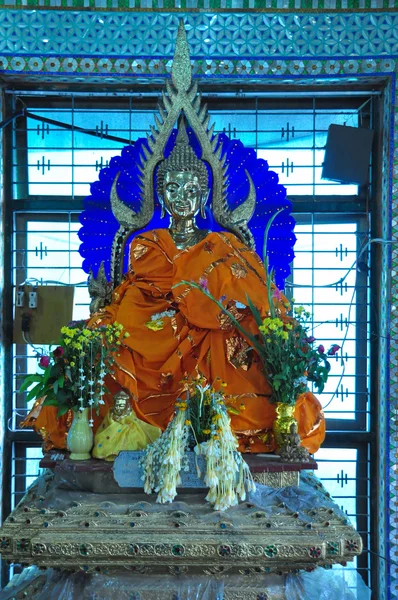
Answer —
(117, 34)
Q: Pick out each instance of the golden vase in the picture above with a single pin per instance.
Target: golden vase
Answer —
(80, 437)
(283, 422)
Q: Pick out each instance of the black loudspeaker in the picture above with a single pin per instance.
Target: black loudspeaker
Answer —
(347, 154)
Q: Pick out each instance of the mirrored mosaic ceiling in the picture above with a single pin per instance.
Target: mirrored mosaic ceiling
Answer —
(243, 35)
(214, 5)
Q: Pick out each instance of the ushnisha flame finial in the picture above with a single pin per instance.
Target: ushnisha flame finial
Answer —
(181, 97)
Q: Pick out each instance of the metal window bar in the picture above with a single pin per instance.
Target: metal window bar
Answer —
(225, 110)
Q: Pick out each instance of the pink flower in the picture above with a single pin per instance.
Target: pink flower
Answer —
(277, 294)
(321, 349)
(310, 340)
(44, 361)
(58, 352)
(334, 349)
(203, 282)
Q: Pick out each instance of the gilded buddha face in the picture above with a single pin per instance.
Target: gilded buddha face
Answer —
(121, 404)
(182, 194)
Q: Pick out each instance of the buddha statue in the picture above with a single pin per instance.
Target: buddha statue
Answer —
(175, 330)
(121, 430)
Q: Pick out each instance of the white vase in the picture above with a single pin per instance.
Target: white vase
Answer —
(80, 437)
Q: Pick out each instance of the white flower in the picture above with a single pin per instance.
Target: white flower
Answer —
(160, 316)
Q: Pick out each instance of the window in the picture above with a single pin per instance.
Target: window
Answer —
(53, 167)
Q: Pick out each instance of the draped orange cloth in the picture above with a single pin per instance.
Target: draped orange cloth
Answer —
(196, 336)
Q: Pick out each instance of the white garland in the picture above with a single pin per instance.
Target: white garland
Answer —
(164, 459)
(227, 474)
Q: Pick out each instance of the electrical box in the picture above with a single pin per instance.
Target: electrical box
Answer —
(40, 312)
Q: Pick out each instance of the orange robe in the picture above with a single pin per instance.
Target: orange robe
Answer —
(198, 337)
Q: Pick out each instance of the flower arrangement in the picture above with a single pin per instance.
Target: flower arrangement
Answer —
(72, 376)
(227, 474)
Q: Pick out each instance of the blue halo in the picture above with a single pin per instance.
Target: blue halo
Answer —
(99, 225)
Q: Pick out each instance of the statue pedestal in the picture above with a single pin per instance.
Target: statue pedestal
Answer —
(273, 531)
(97, 476)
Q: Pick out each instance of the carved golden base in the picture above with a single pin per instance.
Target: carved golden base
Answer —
(74, 530)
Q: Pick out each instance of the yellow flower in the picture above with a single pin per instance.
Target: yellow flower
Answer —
(284, 335)
(86, 332)
(126, 334)
(72, 364)
(215, 437)
(242, 407)
(206, 431)
(299, 310)
(155, 325)
(289, 326)
(187, 422)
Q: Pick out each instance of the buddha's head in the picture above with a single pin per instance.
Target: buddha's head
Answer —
(182, 181)
(121, 403)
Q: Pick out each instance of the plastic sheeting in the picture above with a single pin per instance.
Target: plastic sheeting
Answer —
(304, 499)
(321, 584)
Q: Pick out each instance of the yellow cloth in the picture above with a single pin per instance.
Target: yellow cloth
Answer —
(128, 433)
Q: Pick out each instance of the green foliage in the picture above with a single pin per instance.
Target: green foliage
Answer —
(73, 373)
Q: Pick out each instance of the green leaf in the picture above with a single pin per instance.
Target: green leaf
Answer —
(61, 380)
(56, 370)
(255, 311)
(46, 376)
(62, 410)
(50, 401)
(29, 380)
(55, 387)
(323, 372)
(35, 392)
(62, 397)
